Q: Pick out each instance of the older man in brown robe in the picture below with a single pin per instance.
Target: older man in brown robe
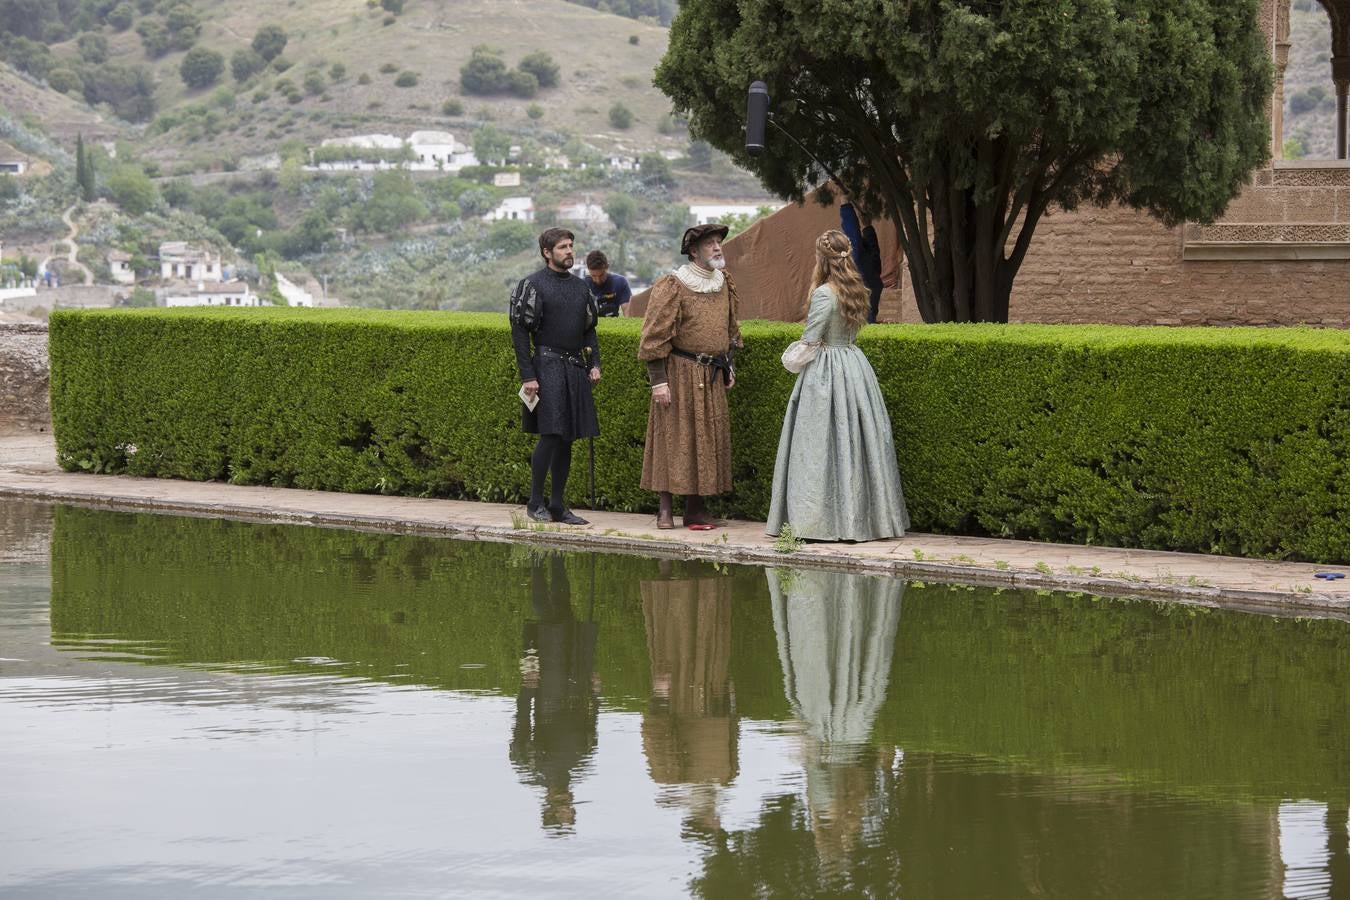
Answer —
(689, 338)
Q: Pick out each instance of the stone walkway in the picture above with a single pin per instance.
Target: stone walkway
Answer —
(28, 470)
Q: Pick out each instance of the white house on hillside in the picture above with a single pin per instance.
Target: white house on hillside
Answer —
(13, 166)
(234, 293)
(518, 208)
(622, 163)
(119, 264)
(431, 151)
(294, 294)
(432, 148)
(583, 212)
(179, 259)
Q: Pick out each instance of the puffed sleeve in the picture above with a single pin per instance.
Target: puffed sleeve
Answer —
(734, 326)
(658, 328)
(818, 316)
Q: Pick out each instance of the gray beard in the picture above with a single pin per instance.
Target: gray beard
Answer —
(716, 264)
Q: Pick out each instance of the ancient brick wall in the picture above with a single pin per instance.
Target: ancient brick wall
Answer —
(1260, 264)
(24, 379)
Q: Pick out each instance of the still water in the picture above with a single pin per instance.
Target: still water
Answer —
(207, 708)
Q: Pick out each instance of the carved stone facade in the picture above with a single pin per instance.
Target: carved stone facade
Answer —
(1279, 256)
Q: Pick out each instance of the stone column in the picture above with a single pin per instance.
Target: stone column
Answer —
(1277, 102)
(1340, 74)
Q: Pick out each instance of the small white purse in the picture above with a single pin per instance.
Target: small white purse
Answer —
(798, 355)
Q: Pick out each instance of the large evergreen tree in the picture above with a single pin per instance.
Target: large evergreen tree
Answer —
(964, 120)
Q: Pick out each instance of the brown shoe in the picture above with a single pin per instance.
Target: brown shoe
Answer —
(695, 513)
(665, 515)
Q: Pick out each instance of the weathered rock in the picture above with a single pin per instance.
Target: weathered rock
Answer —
(24, 379)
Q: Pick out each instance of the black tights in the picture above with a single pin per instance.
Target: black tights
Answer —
(554, 454)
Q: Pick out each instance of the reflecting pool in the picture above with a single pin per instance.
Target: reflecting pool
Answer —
(209, 708)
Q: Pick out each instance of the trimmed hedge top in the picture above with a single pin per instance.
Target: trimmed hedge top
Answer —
(1207, 439)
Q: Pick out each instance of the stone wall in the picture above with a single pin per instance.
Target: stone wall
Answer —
(24, 379)
(1117, 266)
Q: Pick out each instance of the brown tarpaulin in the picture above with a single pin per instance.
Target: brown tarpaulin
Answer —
(771, 261)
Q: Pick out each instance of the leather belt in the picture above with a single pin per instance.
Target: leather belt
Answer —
(575, 357)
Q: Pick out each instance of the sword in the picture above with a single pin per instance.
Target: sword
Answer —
(590, 442)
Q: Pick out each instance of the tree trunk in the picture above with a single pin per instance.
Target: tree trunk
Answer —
(969, 278)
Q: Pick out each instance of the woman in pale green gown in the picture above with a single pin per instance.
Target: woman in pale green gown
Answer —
(836, 478)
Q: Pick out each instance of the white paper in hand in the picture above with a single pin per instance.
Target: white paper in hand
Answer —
(530, 401)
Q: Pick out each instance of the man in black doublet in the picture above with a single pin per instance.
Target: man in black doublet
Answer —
(558, 356)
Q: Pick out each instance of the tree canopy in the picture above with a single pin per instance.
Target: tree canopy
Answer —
(269, 41)
(201, 67)
(964, 120)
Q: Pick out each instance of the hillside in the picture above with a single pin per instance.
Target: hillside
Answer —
(430, 38)
(1309, 95)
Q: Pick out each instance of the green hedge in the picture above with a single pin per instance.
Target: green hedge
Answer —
(1214, 440)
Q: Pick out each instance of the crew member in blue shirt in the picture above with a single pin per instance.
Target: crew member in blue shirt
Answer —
(610, 291)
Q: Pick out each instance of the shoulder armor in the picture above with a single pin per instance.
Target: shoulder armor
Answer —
(526, 310)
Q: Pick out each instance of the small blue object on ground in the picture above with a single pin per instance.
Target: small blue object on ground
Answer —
(1329, 576)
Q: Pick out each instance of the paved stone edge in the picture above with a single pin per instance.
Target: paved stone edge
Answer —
(1318, 605)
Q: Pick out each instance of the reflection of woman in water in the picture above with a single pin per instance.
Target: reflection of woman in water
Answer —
(836, 639)
(558, 703)
(689, 731)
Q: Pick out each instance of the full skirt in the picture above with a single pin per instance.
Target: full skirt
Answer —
(836, 477)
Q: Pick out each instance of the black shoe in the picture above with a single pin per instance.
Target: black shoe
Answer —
(538, 513)
(567, 517)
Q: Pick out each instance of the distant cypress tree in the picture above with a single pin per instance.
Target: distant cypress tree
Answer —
(84, 170)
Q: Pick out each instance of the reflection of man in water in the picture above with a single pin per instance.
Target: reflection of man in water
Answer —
(836, 639)
(558, 703)
(690, 731)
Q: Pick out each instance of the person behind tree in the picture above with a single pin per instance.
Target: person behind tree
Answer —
(866, 252)
(609, 290)
(558, 357)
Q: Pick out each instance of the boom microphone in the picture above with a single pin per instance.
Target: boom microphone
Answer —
(756, 114)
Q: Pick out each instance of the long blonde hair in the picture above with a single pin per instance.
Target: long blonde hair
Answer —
(834, 266)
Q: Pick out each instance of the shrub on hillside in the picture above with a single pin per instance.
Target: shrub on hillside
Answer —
(620, 116)
(154, 37)
(269, 41)
(201, 68)
(406, 79)
(183, 26)
(245, 63)
(542, 67)
(485, 73)
(64, 81)
(121, 16)
(130, 188)
(452, 107)
(522, 84)
(93, 47)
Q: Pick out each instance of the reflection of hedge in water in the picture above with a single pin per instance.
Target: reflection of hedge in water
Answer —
(218, 592)
(1170, 697)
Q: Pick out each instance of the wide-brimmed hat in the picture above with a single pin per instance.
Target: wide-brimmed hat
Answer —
(698, 232)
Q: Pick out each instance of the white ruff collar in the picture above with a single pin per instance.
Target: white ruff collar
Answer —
(698, 279)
